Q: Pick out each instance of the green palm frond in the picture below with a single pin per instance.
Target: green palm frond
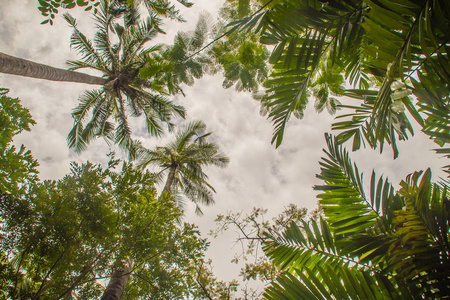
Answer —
(386, 245)
(422, 253)
(352, 284)
(98, 125)
(122, 134)
(78, 137)
(376, 43)
(183, 136)
(83, 45)
(314, 268)
(311, 245)
(361, 127)
(184, 159)
(304, 33)
(433, 95)
(400, 38)
(361, 223)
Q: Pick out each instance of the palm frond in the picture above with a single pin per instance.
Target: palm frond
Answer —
(352, 284)
(83, 45)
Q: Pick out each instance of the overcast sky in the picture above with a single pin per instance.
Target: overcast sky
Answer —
(258, 175)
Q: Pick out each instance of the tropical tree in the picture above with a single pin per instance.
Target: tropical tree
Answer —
(126, 93)
(381, 244)
(385, 50)
(183, 160)
(119, 51)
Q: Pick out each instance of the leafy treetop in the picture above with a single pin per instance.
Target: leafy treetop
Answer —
(17, 166)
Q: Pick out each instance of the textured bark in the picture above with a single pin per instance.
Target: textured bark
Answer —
(116, 286)
(22, 67)
(170, 178)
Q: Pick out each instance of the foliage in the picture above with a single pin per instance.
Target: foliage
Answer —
(382, 245)
(126, 92)
(62, 236)
(181, 62)
(184, 159)
(211, 287)
(49, 8)
(386, 50)
(251, 229)
(17, 166)
(243, 61)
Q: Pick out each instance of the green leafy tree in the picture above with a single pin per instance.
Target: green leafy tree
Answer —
(377, 244)
(183, 161)
(17, 166)
(62, 236)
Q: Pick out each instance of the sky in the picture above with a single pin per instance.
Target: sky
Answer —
(258, 175)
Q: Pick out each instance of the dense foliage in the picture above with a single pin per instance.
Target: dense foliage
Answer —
(17, 166)
(62, 236)
(385, 49)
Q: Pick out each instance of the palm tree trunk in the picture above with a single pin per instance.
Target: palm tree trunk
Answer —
(170, 179)
(22, 67)
(118, 281)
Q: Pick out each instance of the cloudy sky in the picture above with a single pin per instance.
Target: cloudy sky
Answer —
(258, 175)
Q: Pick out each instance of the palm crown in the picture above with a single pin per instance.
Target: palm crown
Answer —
(126, 92)
(184, 159)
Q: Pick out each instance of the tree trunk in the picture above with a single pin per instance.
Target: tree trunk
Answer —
(170, 177)
(118, 281)
(22, 67)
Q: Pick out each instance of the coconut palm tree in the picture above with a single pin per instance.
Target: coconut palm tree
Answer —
(183, 160)
(123, 91)
(126, 92)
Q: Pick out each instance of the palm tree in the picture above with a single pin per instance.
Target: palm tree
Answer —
(126, 92)
(183, 160)
(384, 244)
(123, 90)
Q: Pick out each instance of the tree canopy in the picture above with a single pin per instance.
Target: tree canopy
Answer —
(17, 166)
(384, 50)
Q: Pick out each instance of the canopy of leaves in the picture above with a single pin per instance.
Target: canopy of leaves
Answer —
(385, 49)
(17, 166)
(164, 8)
(62, 236)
